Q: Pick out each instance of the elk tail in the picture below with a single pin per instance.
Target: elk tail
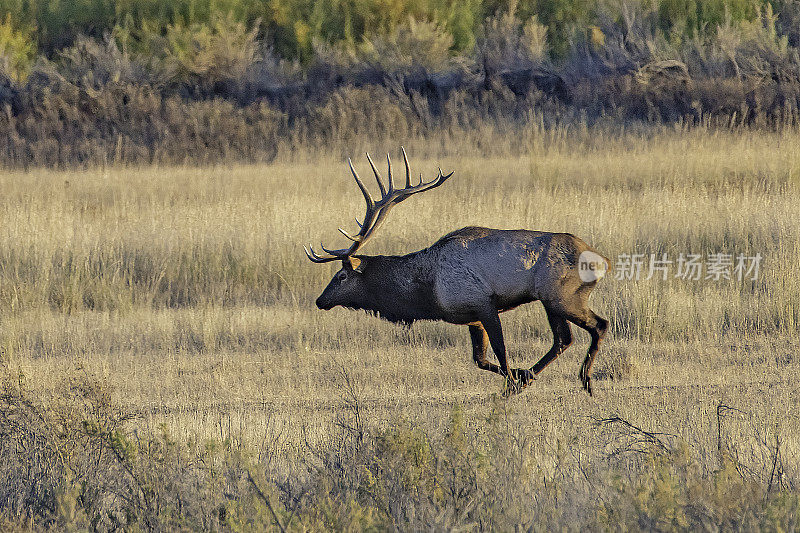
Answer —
(606, 266)
(592, 267)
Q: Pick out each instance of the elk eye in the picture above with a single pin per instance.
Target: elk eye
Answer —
(342, 275)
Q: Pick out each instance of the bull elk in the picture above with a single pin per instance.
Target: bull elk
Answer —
(468, 277)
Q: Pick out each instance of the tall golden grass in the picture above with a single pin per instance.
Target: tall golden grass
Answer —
(186, 291)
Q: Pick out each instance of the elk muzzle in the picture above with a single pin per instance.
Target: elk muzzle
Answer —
(324, 303)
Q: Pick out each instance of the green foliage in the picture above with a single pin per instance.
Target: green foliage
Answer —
(291, 27)
(17, 50)
(562, 18)
(201, 54)
(237, 80)
(508, 42)
(209, 53)
(461, 22)
(693, 17)
(411, 44)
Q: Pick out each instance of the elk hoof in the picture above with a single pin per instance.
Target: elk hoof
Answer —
(512, 388)
(583, 375)
(521, 379)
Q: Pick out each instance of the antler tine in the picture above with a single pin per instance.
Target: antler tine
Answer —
(343, 232)
(343, 252)
(422, 186)
(398, 195)
(408, 168)
(435, 182)
(364, 191)
(331, 252)
(318, 258)
(391, 179)
(376, 211)
(438, 180)
(377, 175)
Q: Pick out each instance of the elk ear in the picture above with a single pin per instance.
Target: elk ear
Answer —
(352, 264)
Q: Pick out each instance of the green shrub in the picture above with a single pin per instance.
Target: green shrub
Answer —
(562, 17)
(462, 23)
(697, 17)
(17, 50)
(506, 42)
(412, 44)
(199, 56)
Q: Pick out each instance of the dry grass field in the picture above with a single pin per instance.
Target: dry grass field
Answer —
(185, 292)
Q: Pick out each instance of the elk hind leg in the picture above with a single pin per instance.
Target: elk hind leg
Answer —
(596, 326)
(562, 338)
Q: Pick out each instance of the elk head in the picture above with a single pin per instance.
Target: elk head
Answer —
(347, 286)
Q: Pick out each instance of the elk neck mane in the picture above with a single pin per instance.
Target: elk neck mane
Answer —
(399, 288)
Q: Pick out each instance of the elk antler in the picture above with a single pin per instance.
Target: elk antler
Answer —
(376, 211)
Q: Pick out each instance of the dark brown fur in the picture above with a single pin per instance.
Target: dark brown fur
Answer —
(468, 277)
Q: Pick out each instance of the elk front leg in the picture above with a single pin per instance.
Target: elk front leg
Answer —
(517, 378)
(480, 341)
(491, 324)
